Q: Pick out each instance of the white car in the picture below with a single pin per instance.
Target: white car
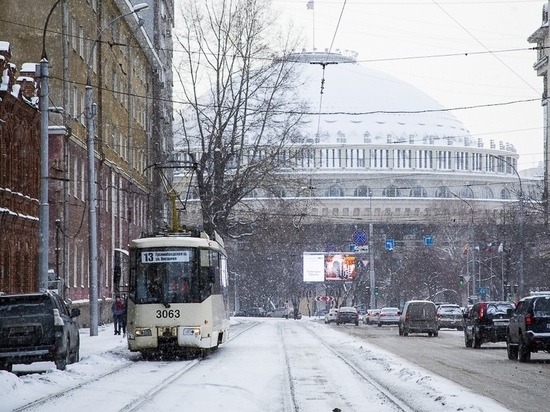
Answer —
(388, 316)
(331, 316)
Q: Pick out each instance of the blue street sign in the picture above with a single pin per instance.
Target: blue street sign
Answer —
(359, 237)
(428, 240)
(482, 290)
(352, 247)
(390, 244)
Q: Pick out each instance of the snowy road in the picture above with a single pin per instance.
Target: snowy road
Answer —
(268, 365)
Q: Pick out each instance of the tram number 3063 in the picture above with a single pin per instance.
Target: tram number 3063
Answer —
(165, 314)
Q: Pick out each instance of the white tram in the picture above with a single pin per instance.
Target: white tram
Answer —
(177, 296)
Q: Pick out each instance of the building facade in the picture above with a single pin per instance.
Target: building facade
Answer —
(103, 44)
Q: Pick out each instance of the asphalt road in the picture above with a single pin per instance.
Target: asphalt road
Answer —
(487, 371)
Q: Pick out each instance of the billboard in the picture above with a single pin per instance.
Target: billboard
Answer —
(320, 267)
(340, 266)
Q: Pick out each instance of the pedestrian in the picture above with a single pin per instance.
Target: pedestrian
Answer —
(119, 314)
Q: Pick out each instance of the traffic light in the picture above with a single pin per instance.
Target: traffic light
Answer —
(461, 280)
(376, 292)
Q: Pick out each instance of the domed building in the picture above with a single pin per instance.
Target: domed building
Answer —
(375, 148)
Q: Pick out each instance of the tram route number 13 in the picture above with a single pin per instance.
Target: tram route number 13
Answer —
(168, 313)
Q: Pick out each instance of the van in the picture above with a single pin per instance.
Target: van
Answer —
(418, 316)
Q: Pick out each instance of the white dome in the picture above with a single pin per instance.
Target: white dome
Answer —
(359, 102)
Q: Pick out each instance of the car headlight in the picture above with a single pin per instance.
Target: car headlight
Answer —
(191, 331)
(143, 332)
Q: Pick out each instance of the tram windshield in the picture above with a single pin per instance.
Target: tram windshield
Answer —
(171, 275)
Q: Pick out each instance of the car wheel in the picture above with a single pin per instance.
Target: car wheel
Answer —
(61, 363)
(430, 334)
(476, 341)
(467, 342)
(6, 366)
(512, 350)
(379, 325)
(76, 354)
(524, 353)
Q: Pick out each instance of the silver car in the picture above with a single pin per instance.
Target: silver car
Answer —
(388, 316)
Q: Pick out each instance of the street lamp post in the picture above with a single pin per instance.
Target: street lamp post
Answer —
(92, 222)
(521, 226)
(44, 210)
(473, 247)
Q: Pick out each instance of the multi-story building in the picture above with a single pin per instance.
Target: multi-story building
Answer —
(541, 37)
(126, 58)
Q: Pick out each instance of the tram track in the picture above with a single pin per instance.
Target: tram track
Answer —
(399, 404)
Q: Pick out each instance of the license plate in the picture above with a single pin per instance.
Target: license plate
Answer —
(21, 330)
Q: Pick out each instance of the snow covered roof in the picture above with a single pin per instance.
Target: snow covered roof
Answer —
(358, 102)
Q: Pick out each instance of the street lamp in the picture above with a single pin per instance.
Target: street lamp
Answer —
(473, 277)
(44, 210)
(92, 222)
(521, 225)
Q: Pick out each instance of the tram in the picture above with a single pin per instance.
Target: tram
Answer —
(177, 295)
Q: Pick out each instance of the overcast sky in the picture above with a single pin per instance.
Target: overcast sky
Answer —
(470, 54)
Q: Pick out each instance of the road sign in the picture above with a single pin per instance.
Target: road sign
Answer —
(324, 298)
(359, 237)
(352, 247)
(390, 244)
(428, 240)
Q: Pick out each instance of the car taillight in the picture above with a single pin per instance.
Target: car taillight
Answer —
(528, 319)
(481, 309)
(382, 315)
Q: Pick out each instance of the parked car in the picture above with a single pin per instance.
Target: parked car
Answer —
(37, 327)
(418, 316)
(529, 328)
(256, 312)
(331, 315)
(388, 316)
(281, 313)
(450, 316)
(487, 322)
(347, 314)
(371, 317)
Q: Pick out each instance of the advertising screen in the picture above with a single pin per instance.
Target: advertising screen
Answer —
(340, 266)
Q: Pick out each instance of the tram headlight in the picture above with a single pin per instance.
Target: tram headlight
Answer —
(191, 331)
(143, 332)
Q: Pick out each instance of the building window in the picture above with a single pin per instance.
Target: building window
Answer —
(418, 191)
(466, 192)
(334, 191)
(505, 194)
(442, 191)
(486, 193)
(363, 191)
(391, 191)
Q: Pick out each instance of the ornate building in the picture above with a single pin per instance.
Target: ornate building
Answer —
(127, 58)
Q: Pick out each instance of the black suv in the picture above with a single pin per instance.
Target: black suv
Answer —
(37, 327)
(529, 329)
(487, 322)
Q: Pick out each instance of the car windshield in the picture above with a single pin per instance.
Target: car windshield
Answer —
(450, 310)
(494, 308)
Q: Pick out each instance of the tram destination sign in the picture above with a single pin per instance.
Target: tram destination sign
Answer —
(165, 256)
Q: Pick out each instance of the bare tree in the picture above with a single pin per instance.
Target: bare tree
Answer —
(241, 111)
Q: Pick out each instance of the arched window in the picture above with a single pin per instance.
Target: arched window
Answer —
(391, 191)
(442, 191)
(505, 194)
(418, 191)
(466, 192)
(334, 191)
(363, 191)
(487, 193)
